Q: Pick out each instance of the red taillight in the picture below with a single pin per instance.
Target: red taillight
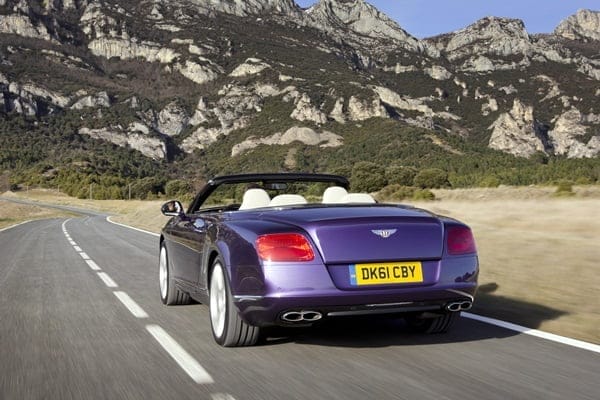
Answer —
(284, 247)
(460, 241)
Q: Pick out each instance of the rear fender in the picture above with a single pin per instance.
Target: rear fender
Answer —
(241, 262)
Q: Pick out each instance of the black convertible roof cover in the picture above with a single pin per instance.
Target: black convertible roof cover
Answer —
(212, 184)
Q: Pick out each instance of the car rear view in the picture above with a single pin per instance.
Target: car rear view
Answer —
(355, 260)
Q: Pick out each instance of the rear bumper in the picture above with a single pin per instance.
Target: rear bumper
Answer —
(268, 311)
(284, 288)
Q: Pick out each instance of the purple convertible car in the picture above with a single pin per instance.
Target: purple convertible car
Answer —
(295, 249)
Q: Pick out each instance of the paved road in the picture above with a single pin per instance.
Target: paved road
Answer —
(67, 333)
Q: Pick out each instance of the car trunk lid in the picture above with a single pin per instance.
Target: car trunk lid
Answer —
(369, 234)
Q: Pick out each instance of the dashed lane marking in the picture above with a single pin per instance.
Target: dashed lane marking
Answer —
(107, 280)
(131, 305)
(182, 357)
(178, 353)
(93, 265)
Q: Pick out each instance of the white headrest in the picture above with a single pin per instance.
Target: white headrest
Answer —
(287, 199)
(334, 194)
(255, 198)
(358, 198)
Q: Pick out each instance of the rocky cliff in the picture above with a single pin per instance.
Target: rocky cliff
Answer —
(185, 77)
(584, 25)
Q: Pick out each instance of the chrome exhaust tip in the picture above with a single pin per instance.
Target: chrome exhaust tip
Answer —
(301, 316)
(312, 316)
(292, 316)
(456, 306)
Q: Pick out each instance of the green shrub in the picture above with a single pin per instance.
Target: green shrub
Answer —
(367, 177)
(583, 180)
(432, 178)
(400, 175)
(489, 181)
(395, 193)
(564, 188)
(423, 194)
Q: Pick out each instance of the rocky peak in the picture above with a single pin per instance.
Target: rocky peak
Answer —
(583, 25)
(362, 18)
(490, 35)
(244, 8)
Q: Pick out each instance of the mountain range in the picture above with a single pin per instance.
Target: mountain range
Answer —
(194, 88)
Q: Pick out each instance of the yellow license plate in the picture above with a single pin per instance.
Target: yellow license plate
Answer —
(386, 273)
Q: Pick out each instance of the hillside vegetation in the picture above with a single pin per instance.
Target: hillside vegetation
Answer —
(119, 99)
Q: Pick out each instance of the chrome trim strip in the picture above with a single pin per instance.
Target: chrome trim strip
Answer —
(404, 303)
(241, 299)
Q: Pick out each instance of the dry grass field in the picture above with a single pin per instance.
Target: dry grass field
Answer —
(12, 213)
(539, 254)
(539, 259)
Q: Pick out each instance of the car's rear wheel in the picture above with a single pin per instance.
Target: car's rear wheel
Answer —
(170, 294)
(440, 324)
(229, 330)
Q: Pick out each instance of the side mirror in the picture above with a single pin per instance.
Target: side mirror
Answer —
(172, 208)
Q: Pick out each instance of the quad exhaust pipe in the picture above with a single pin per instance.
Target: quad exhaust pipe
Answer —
(459, 305)
(301, 316)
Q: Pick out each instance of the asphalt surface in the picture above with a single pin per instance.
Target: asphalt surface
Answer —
(66, 334)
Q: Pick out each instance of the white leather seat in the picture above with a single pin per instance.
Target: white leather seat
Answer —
(255, 198)
(287, 200)
(334, 194)
(358, 198)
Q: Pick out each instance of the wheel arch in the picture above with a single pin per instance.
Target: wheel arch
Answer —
(212, 256)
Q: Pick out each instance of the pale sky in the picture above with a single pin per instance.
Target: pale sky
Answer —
(425, 18)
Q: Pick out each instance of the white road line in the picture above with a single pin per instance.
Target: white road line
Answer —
(72, 243)
(84, 256)
(14, 226)
(221, 396)
(77, 249)
(107, 280)
(131, 227)
(131, 305)
(93, 265)
(182, 357)
(534, 332)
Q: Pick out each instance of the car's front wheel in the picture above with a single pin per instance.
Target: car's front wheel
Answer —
(229, 330)
(170, 294)
(440, 324)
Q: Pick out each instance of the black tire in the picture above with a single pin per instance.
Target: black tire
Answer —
(439, 324)
(228, 329)
(170, 294)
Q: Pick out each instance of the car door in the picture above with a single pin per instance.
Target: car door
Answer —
(186, 237)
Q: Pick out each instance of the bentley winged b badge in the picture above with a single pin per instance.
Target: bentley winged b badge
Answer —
(384, 233)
